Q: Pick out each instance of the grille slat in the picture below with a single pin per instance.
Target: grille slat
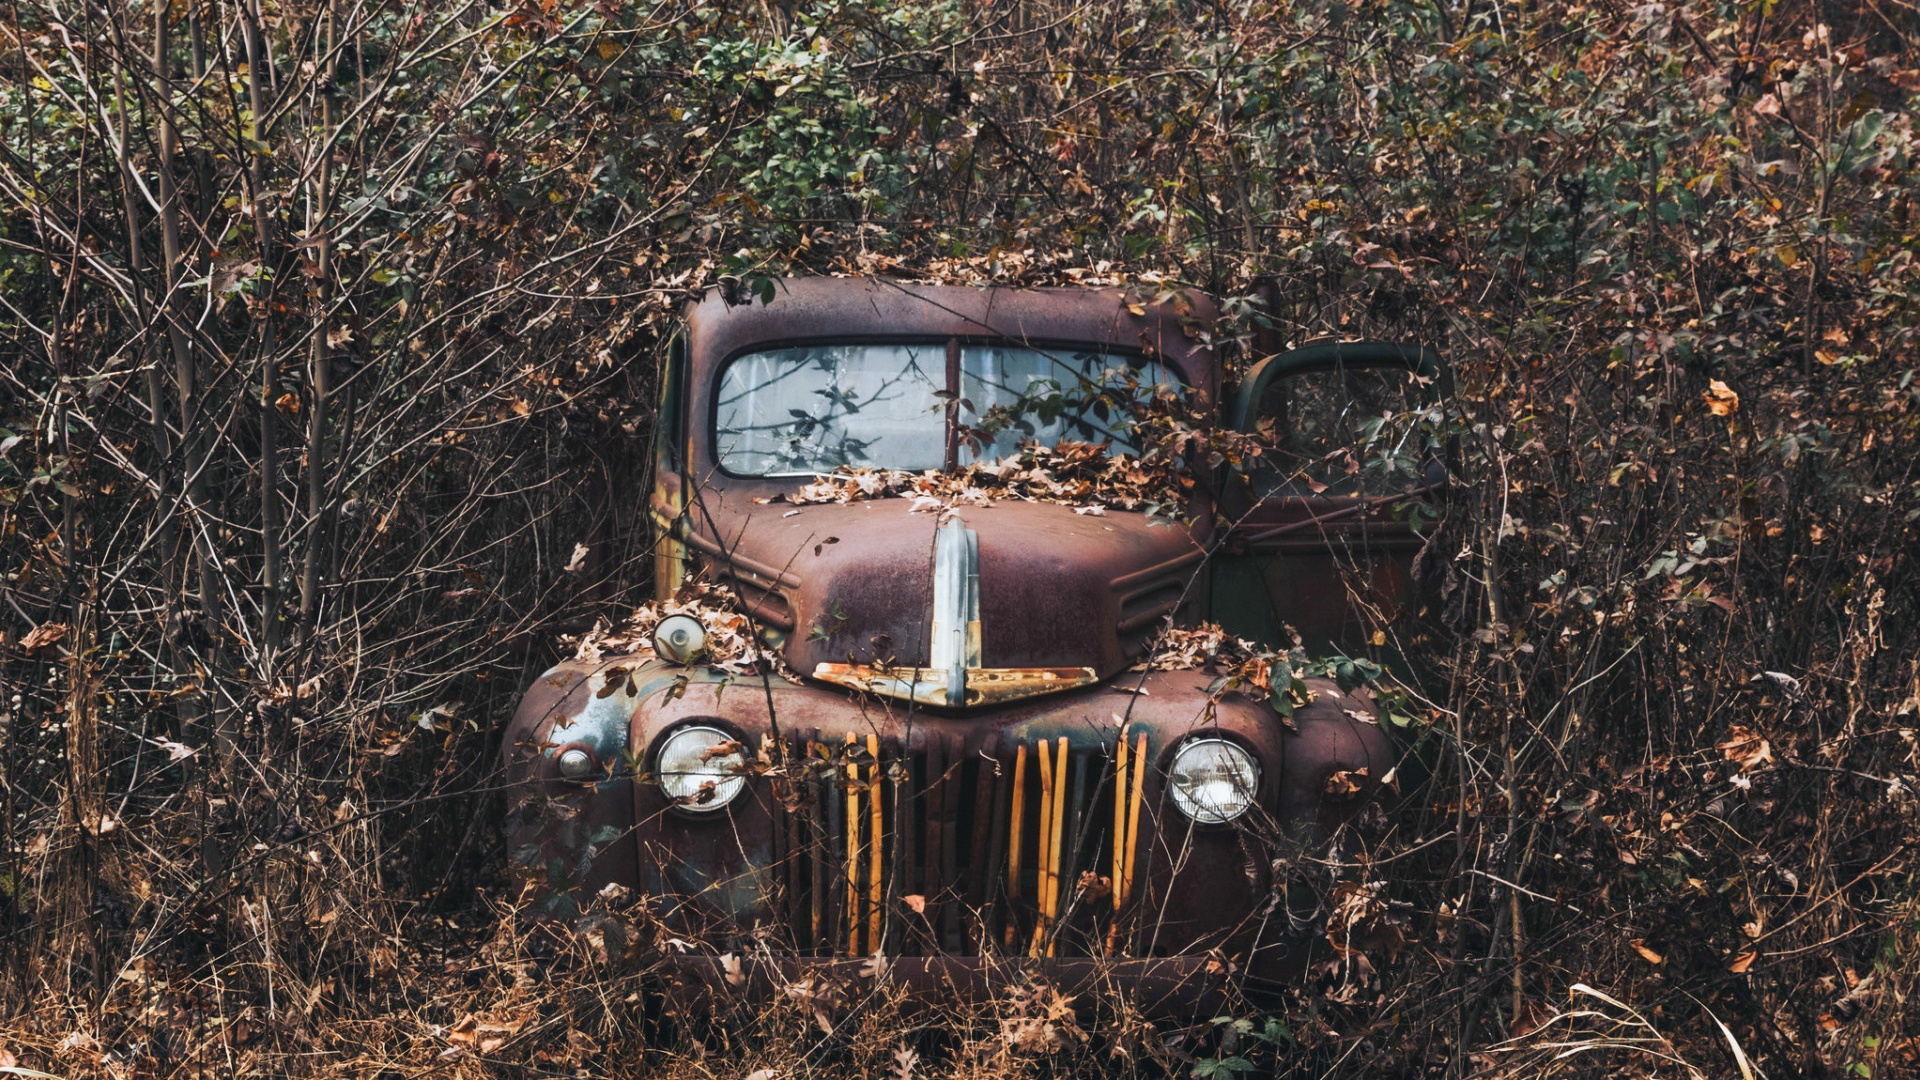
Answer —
(951, 779)
(976, 831)
(834, 869)
(819, 852)
(932, 881)
(993, 879)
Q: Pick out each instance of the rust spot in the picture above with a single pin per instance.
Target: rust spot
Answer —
(984, 686)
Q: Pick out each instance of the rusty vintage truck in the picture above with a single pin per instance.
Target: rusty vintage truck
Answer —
(964, 763)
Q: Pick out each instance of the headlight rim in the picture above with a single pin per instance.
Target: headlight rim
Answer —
(734, 784)
(679, 657)
(586, 776)
(1256, 791)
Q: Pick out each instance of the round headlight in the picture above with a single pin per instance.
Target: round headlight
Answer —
(679, 638)
(574, 763)
(1213, 780)
(701, 768)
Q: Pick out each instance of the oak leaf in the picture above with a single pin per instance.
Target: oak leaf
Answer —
(42, 636)
(1720, 399)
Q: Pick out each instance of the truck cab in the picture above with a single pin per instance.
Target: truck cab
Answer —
(962, 751)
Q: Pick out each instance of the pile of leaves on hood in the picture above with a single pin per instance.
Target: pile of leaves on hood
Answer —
(1240, 665)
(1206, 647)
(1081, 475)
(1279, 678)
(730, 647)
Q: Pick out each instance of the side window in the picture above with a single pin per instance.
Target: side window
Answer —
(1346, 430)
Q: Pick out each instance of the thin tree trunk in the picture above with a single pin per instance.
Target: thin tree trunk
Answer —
(270, 601)
(319, 363)
(144, 319)
(78, 949)
(192, 458)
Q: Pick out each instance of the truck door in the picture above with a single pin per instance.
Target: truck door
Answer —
(1320, 535)
(667, 501)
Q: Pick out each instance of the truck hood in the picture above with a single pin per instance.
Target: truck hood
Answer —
(978, 605)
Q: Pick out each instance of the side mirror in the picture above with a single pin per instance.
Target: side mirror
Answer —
(1423, 362)
(1346, 419)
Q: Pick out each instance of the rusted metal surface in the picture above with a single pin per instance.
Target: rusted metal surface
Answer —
(839, 309)
(555, 822)
(855, 584)
(982, 686)
(971, 781)
(849, 858)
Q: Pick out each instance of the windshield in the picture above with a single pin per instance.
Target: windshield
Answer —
(810, 409)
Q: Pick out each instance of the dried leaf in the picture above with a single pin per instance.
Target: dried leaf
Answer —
(1651, 957)
(77, 1042)
(1094, 887)
(229, 278)
(465, 1030)
(43, 636)
(1346, 784)
(731, 646)
(1746, 748)
(1720, 399)
(904, 1059)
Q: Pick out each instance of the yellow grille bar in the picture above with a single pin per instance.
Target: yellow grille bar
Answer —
(1119, 823)
(853, 851)
(876, 846)
(1053, 818)
(1065, 798)
(1059, 834)
(1133, 817)
(1043, 883)
(1126, 824)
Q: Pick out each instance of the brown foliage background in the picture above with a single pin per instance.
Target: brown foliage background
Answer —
(331, 331)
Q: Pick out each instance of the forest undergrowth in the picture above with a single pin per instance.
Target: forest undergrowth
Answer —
(332, 330)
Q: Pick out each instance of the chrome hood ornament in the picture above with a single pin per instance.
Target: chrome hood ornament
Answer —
(953, 677)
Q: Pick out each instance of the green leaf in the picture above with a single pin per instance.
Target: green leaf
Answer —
(1280, 700)
(1221, 1068)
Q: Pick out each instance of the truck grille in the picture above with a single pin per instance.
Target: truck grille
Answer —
(956, 846)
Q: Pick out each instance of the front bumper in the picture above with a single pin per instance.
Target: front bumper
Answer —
(871, 826)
